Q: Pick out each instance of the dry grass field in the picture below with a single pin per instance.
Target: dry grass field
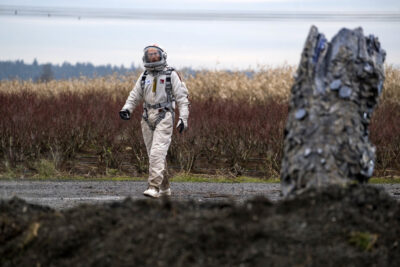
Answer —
(236, 126)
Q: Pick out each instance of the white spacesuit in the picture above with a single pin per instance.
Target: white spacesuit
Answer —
(160, 87)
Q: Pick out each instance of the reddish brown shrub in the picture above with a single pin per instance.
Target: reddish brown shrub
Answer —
(229, 136)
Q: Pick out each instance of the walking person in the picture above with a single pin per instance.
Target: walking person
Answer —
(161, 88)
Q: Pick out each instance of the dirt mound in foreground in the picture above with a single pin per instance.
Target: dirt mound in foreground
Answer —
(356, 226)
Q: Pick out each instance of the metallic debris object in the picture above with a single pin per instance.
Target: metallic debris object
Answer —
(336, 87)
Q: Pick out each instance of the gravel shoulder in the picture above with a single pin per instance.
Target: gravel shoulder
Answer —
(67, 194)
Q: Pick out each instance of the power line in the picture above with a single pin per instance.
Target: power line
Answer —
(196, 15)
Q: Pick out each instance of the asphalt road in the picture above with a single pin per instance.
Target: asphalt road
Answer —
(67, 194)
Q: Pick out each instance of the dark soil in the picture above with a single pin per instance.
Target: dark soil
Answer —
(354, 226)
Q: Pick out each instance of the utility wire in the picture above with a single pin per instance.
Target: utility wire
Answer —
(196, 15)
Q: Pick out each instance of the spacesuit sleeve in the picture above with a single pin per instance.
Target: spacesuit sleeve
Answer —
(135, 96)
(181, 96)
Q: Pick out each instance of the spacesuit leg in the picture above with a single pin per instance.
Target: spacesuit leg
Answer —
(158, 151)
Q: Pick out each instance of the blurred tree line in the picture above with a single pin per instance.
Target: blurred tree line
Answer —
(18, 69)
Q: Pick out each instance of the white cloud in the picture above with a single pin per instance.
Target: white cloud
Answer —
(190, 43)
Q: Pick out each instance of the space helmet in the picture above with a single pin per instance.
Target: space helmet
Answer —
(154, 57)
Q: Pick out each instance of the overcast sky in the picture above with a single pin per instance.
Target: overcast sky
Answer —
(197, 43)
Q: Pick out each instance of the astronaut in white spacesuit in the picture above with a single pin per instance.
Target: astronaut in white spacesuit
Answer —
(160, 87)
